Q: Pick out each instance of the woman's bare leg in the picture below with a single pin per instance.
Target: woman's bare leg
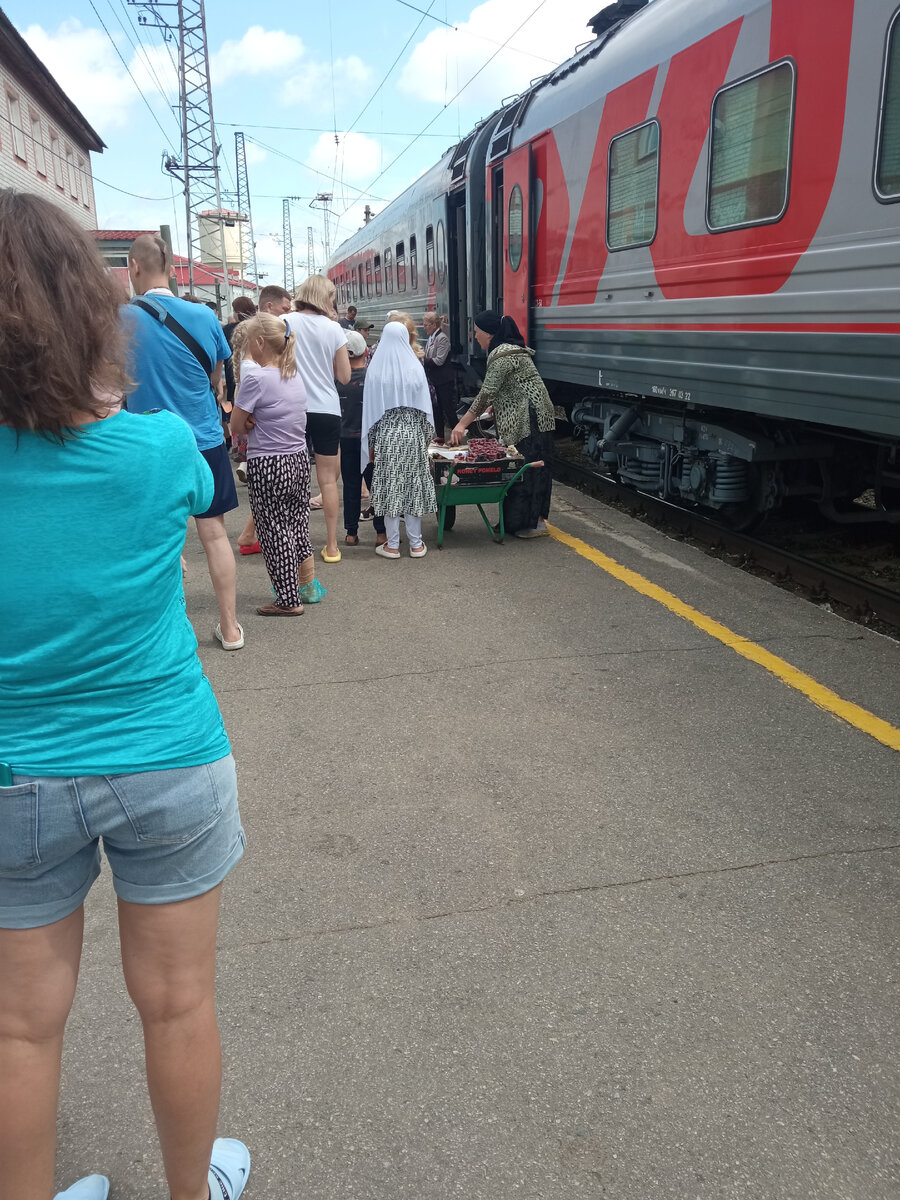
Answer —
(169, 958)
(328, 469)
(38, 974)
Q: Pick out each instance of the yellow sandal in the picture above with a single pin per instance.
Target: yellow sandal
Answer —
(327, 557)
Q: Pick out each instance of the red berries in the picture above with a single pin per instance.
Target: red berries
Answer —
(484, 450)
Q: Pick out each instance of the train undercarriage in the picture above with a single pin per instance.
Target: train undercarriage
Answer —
(735, 467)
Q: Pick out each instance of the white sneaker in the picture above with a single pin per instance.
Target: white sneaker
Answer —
(241, 472)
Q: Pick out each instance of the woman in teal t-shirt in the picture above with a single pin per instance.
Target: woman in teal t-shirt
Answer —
(109, 730)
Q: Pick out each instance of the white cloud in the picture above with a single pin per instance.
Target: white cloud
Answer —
(356, 156)
(444, 60)
(86, 67)
(260, 51)
(311, 86)
(155, 71)
(255, 154)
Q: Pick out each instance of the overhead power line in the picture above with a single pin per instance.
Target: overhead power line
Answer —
(468, 82)
(469, 33)
(137, 44)
(306, 166)
(322, 129)
(130, 76)
(391, 67)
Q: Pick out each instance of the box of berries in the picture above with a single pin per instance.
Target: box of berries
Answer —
(486, 461)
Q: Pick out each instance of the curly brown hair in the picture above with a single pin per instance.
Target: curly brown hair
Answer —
(61, 346)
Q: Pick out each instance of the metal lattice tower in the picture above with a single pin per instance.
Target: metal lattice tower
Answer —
(287, 246)
(310, 250)
(198, 169)
(324, 198)
(243, 203)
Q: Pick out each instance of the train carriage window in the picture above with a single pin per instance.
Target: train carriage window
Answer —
(401, 267)
(429, 253)
(441, 247)
(369, 278)
(353, 285)
(750, 150)
(377, 274)
(887, 159)
(388, 271)
(633, 187)
(413, 264)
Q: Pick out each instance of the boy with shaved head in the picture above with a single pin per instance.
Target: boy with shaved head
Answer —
(177, 354)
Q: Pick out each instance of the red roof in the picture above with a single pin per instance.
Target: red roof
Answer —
(206, 276)
(119, 235)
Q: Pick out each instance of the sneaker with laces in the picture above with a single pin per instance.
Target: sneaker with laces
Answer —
(92, 1187)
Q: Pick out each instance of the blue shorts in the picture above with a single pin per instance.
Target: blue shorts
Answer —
(168, 835)
(225, 496)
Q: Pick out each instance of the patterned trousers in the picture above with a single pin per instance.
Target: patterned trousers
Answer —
(278, 485)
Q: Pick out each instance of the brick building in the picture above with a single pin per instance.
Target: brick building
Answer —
(45, 142)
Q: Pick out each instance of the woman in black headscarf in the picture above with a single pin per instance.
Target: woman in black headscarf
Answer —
(523, 415)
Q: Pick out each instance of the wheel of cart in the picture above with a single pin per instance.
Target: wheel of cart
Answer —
(453, 495)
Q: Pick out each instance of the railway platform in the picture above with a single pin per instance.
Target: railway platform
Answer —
(571, 871)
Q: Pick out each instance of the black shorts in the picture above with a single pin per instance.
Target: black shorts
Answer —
(323, 434)
(224, 492)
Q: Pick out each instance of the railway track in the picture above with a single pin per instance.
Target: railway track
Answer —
(871, 603)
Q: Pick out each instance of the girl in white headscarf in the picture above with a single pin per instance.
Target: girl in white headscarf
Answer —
(396, 429)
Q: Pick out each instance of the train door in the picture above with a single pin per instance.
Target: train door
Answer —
(517, 238)
(458, 281)
(495, 299)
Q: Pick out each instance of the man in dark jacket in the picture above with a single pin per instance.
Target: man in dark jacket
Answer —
(351, 397)
(441, 374)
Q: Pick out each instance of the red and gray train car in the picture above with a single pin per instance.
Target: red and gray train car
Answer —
(696, 221)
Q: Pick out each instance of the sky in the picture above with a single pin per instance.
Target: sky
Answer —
(330, 97)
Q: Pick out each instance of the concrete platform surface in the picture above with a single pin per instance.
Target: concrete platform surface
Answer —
(547, 893)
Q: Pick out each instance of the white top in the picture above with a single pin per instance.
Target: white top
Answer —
(395, 379)
(318, 340)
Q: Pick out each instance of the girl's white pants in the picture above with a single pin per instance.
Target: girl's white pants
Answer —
(413, 530)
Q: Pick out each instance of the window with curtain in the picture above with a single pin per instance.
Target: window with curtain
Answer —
(887, 161)
(750, 150)
(633, 187)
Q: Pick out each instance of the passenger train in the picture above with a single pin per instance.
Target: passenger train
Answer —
(695, 221)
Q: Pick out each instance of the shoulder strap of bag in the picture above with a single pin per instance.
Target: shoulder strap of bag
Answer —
(162, 314)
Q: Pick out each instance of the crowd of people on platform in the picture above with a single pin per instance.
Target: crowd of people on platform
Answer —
(115, 424)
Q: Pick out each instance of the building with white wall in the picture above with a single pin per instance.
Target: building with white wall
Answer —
(45, 142)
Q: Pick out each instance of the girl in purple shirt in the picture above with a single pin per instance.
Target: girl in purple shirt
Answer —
(270, 408)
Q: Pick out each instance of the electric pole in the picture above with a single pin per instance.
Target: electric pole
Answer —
(310, 250)
(243, 203)
(287, 246)
(324, 198)
(198, 169)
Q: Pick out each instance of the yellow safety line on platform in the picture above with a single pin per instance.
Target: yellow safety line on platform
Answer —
(822, 696)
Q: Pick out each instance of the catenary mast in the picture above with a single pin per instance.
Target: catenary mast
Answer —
(198, 170)
(288, 246)
(243, 200)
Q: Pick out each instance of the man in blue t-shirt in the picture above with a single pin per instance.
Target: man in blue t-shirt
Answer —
(171, 374)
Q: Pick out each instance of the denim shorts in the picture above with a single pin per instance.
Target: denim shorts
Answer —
(168, 835)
